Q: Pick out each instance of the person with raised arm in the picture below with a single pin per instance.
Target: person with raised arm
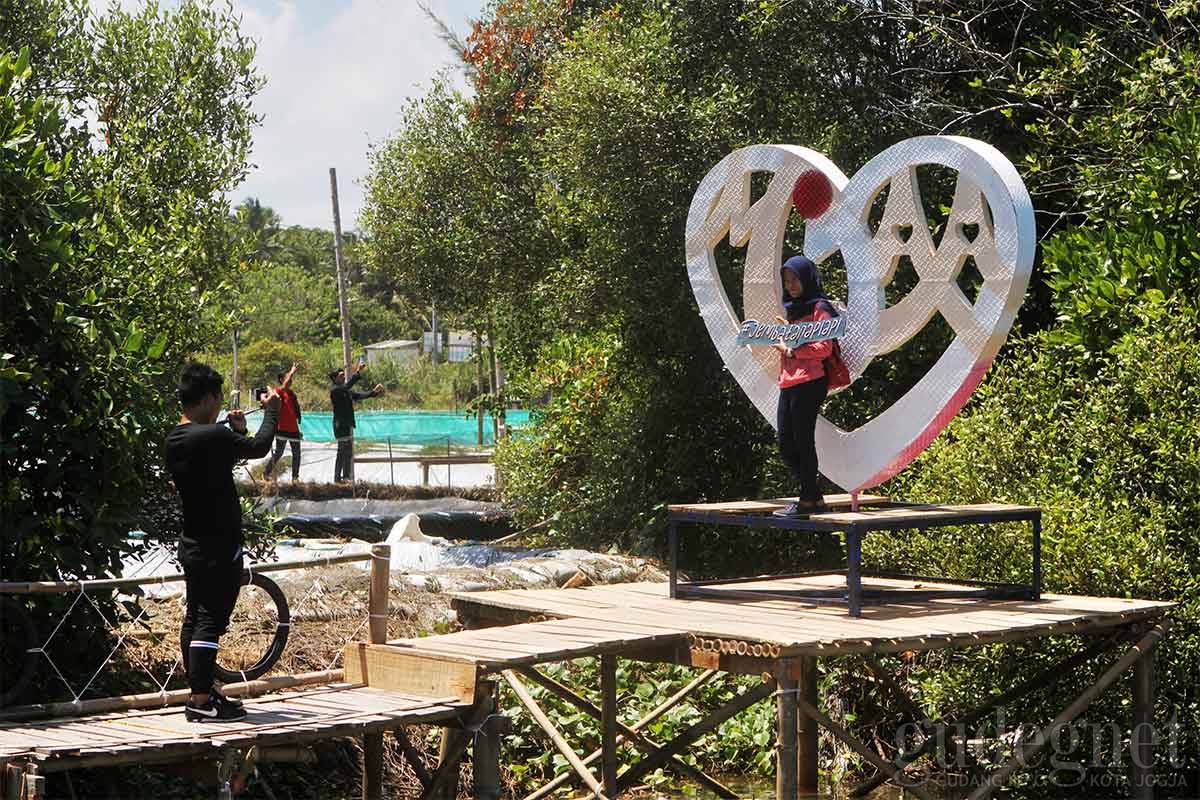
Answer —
(201, 455)
(288, 430)
(343, 397)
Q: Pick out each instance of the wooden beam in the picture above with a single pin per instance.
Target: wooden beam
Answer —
(997, 777)
(854, 744)
(659, 758)
(663, 708)
(1044, 679)
(372, 783)
(634, 737)
(443, 783)
(808, 743)
(785, 739)
(546, 725)
(412, 756)
(377, 608)
(1141, 737)
(608, 723)
(177, 697)
(382, 666)
(485, 759)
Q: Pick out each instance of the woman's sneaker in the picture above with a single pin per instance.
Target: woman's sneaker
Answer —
(215, 709)
(791, 510)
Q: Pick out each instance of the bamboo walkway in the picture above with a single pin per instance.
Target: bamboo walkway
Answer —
(160, 735)
(790, 627)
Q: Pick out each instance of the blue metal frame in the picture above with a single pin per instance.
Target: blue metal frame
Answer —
(854, 595)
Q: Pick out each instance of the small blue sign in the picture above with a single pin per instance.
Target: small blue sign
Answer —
(767, 334)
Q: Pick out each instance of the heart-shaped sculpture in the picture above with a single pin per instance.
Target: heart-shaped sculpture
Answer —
(991, 220)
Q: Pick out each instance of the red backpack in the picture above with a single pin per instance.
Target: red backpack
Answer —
(837, 374)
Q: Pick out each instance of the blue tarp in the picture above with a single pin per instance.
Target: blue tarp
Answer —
(404, 427)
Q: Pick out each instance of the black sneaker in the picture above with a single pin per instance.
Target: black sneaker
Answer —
(791, 510)
(215, 709)
(220, 696)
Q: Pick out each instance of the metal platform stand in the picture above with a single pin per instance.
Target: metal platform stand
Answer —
(854, 525)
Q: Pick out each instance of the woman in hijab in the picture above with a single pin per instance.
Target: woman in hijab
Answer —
(802, 382)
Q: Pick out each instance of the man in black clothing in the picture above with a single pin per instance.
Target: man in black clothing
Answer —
(201, 456)
(342, 397)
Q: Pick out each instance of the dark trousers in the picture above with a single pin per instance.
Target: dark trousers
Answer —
(212, 591)
(799, 407)
(345, 459)
(269, 467)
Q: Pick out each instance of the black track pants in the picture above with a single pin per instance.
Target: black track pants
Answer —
(799, 407)
(212, 591)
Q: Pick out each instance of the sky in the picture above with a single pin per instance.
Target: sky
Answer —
(338, 74)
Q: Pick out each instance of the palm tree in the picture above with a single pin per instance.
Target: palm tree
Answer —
(262, 225)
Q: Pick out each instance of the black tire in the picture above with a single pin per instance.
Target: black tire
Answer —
(19, 663)
(275, 649)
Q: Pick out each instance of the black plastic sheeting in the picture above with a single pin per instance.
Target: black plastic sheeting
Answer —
(372, 520)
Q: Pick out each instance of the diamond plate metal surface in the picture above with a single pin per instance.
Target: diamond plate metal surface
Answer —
(989, 197)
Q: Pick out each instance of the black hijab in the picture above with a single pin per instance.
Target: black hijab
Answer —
(810, 278)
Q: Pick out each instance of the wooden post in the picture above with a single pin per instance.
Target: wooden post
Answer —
(479, 387)
(340, 263)
(485, 756)
(807, 731)
(785, 735)
(377, 608)
(1141, 738)
(608, 723)
(381, 555)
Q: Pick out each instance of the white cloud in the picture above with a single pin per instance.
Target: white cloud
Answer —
(336, 81)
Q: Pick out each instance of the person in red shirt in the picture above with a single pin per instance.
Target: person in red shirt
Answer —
(802, 382)
(287, 431)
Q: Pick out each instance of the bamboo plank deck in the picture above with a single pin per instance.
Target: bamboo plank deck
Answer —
(497, 649)
(795, 627)
(299, 716)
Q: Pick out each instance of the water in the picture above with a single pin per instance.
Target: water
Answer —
(405, 427)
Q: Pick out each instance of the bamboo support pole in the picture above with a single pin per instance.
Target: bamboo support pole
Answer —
(635, 773)
(129, 702)
(413, 757)
(608, 724)
(808, 746)
(377, 605)
(1141, 649)
(654, 714)
(559, 742)
(1042, 680)
(785, 737)
(628, 734)
(870, 755)
(51, 587)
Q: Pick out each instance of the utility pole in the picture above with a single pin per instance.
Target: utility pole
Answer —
(342, 309)
(341, 271)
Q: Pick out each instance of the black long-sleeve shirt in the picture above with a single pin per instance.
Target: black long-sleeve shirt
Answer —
(201, 459)
(342, 397)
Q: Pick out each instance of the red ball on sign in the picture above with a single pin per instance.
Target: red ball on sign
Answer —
(812, 194)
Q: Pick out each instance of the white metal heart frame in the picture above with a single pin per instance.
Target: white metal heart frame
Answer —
(990, 200)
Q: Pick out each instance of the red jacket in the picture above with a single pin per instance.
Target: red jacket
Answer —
(807, 361)
(289, 412)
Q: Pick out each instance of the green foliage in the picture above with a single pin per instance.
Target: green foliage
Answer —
(113, 238)
(1113, 458)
